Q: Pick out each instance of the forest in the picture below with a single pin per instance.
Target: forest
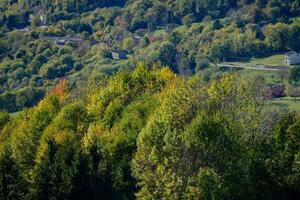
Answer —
(151, 134)
(37, 45)
(124, 99)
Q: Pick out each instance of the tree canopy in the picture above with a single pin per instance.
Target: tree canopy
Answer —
(150, 134)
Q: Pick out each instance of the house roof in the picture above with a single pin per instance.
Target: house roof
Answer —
(275, 91)
(290, 53)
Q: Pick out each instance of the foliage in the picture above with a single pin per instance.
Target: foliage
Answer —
(149, 134)
(186, 35)
(98, 128)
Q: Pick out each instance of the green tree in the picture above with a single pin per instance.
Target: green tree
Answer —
(12, 182)
(294, 78)
(4, 118)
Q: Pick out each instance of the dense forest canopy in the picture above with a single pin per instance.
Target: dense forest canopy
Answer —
(152, 134)
(124, 99)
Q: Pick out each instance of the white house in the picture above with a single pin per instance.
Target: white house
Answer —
(292, 58)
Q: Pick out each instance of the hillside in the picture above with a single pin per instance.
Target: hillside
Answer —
(44, 41)
(149, 99)
(150, 134)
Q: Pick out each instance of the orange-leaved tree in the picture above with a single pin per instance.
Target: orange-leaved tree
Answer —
(60, 90)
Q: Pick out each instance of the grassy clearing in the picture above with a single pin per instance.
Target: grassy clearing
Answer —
(287, 103)
(269, 76)
(273, 77)
(275, 60)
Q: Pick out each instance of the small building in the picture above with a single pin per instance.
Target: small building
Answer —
(118, 55)
(275, 91)
(292, 58)
(61, 42)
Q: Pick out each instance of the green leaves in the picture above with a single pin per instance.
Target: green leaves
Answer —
(294, 75)
(4, 117)
(206, 185)
(149, 134)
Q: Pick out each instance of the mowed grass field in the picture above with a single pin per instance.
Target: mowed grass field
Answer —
(273, 77)
(275, 60)
(286, 103)
(271, 61)
(270, 77)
